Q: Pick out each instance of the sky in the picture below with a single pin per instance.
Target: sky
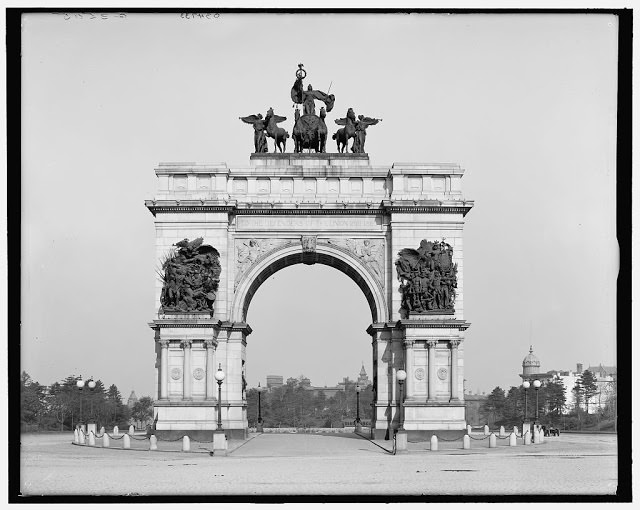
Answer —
(525, 103)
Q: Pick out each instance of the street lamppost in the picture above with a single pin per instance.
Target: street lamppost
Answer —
(219, 378)
(80, 385)
(401, 434)
(357, 407)
(526, 386)
(536, 385)
(401, 376)
(259, 428)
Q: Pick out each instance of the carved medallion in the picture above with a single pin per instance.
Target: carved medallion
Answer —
(442, 373)
(198, 374)
(176, 373)
(419, 374)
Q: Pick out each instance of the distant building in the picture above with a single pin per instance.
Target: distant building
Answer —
(363, 378)
(606, 378)
(132, 400)
(274, 381)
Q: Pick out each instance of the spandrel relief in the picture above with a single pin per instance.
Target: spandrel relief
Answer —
(369, 251)
(248, 251)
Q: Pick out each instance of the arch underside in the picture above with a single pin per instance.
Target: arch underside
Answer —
(326, 256)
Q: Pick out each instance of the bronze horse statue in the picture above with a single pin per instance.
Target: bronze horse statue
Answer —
(278, 134)
(348, 131)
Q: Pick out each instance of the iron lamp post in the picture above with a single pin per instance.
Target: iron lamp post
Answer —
(526, 386)
(401, 375)
(80, 384)
(219, 378)
(259, 428)
(357, 406)
(536, 385)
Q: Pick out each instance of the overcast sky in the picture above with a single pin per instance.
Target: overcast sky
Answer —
(525, 103)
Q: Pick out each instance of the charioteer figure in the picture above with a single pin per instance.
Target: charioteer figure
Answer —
(309, 131)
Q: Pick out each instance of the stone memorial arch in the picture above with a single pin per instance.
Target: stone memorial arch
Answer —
(395, 231)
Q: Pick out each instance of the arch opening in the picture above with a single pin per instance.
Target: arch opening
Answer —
(325, 255)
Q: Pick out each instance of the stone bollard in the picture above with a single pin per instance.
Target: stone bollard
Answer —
(81, 437)
(466, 442)
(536, 435)
(76, 439)
(515, 430)
(512, 439)
(101, 430)
(127, 442)
(492, 440)
(527, 437)
(105, 440)
(92, 439)
(501, 430)
(469, 429)
(153, 442)
(486, 430)
(434, 443)
(132, 430)
(116, 430)
(186, 444)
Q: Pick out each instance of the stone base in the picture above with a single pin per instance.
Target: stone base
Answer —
(418, 435)
(422, 419)
(220, 444)
(401, 441)
(198, 419)
(199, 435)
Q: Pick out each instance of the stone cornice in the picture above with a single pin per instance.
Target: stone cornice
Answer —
(201, 323)
(444, 323)
(418, 323)
(310, 208)
(184, 323)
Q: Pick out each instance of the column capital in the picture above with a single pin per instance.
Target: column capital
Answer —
(454, 342)
(164, 343)
(409, 342)
(210, 344)
(186, 344)
(431, 344)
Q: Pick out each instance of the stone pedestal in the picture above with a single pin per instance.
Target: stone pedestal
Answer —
(401, 441)
(220, 445)
(188, 347)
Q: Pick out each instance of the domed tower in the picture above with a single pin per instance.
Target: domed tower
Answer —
(363, 378)
(530, 364)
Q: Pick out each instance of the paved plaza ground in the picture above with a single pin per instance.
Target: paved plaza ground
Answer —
(310, 464)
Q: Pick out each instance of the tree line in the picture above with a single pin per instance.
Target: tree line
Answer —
(508, 408)
(295, 405)
(62, 406)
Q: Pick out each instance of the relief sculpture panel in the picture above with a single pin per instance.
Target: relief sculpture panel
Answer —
(369, 251)
(250, 250)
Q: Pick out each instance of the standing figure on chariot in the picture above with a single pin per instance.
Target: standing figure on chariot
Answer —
(306, 97)
(309, 130)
